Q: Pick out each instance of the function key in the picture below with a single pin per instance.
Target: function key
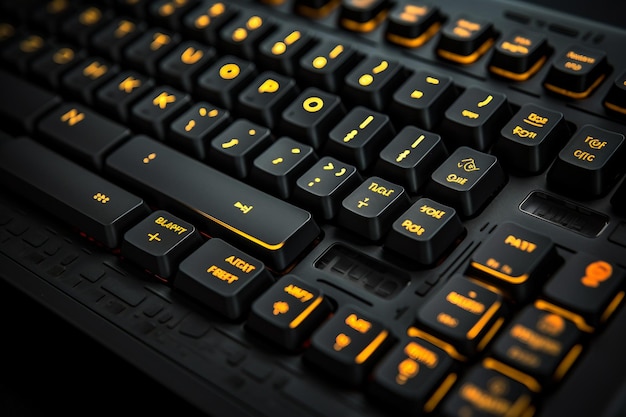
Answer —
(413, 24)
(515, 259)
(589, 164)
(616, 98)
(466, 180)
(531, 139)
(347, 345)
(242, 35)
(577, 72)
(586, 290)
(326, 65)
(205, 21)
(519, 55)
(362, 15)
(465, 39)
(315, 9)
(372, 82)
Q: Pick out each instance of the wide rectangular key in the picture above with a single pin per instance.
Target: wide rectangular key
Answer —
(95, 206)
(265, 227)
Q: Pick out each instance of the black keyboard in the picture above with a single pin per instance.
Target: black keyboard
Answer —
(322, 207)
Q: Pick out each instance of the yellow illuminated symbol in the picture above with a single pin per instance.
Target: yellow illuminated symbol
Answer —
(63, 56)
(534, 119)
(204, 20)
(159, 40)
(551, 324)
(432, 80)
(241, 34)
(229, 71)
(101, 198)
(6, 31)
(407, 369)
(280, 307)
(513, 48)
(340, 172)
(367, 79)
(191, 56)
(363, 203)
(417, 94)
(95, 70)
(485, 101)
(124, 28)
(350, 135)
(315, 181)
(244, 208)
(230, 143)
(412, 12)
(406, 152)
(72, 117)
(470, 114)
(320, 61)
(203, 112)
(57, 6)
(31, 44)
(149, 158)
(328, 167)
(277, 161)
(154, 236)
(269, 86)
(341, 341)
(596, 273)
(163, 99)
(465, 28)
(358, 324)
(468, 165)
(497, 386)
(169, 8)
(280, 47)
(90, 17)
(129, 84)
(313, 104)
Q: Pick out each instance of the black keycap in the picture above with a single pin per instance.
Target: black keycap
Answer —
(264, 100)
(410, 157)
(465, 39)
(515, 259)
(475, 119)
(589, 164)
(93, 205)
(265, 227)
(51, 14)
(22, 102)
(586, 290)
(169, 13)
(615, 99)
(69, 125)
(279, 166)
(242, 35)
(539, 343)
(529, 142)
(281, 51)
(204, 21)
(234, 149)
(577, 71)
(156, 110)
(315, 9)
(146, 51)
(413, 24)
(288, 312)
(347, 345)
(22, 49)
(193, 130)
(464, 313)
(224, 80)
(324, 186)
(372, 207)
(85, 22)
(113, 37)
(182, 65)
(519, 55)
(618, 201)
(360, 16)
(311, 116)
(222, 277)
(82, 81)
(159, 242)
(52, 64)
(117, 96)
(326, 65)
(466, 180)
(425, 231)
(372, 83)
(422, 99)
(359, 137)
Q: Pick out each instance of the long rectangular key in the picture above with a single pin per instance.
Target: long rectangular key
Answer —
(264, 226)
(77, 196)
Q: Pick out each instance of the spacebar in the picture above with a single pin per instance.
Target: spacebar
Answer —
(264, 226)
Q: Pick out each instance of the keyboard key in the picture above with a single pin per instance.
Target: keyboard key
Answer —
(475, 119)
(515, 259)
(156, 110)
(22, 49)
(315, 9)
(242, 35)
(466, 180)
(425, 231)
(359, 16)
(577, 71)
(586, 290)
(113, 37)
(169, 13)
(117, 96)
(529, 142)
(82, 81)
(222, 277)
(93, 205)
(224, 80)
(240, 214)
(80, 26)
(589, 164)
(616, 98)
(519, 55)
(326, 65)
(371, 208)
(413, 24)
(372, 83)
(266, 97)
(144, 53)
(465, 39)
(281, 51)
(207, 18)
(159, 242)
(288, 312)
(193, 130)
(347, 345)
(52, 64)
(181, 66)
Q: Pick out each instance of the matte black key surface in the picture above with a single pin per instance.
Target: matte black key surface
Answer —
(52, 64)
(372, 82)
(465, 39)
(362, 16)
(83, 80)
(281, 50)
(413, 24)
(242, 35)
(326, 65)
(615, 99)
(261, 225)
(117, 96)
(266, 97)
(146, 51)
(82, 24)
(155, 111)
(23, 49)
(111, 39)
(88, 202)
(193, 130)
(183, 64)
(205, 20)
(519, 55)
(22, 102)
(224, 80)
